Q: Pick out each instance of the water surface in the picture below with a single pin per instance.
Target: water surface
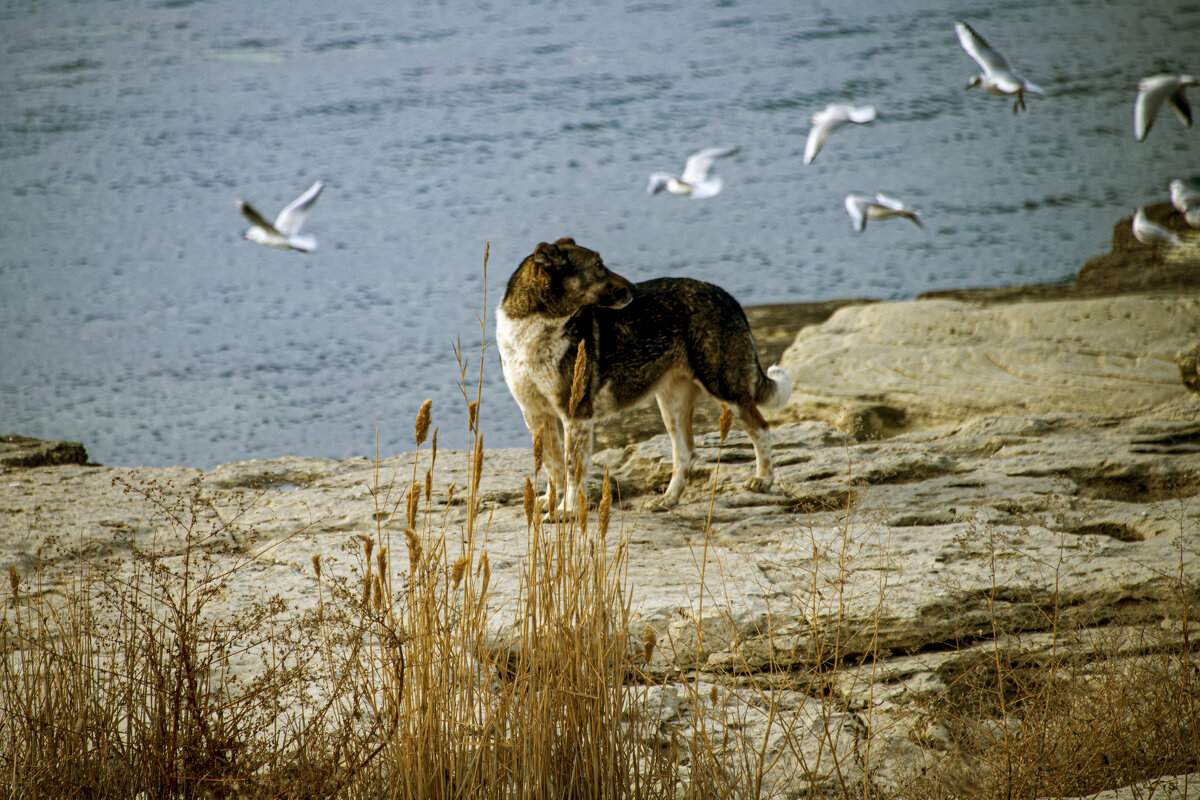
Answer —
(133, 318)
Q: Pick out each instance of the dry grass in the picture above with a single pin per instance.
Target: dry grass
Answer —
(116, 682)
(1070, 712)
(405, 682)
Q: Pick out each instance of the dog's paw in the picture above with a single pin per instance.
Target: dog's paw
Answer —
(759, 485)
(560, 513)
(664, 503)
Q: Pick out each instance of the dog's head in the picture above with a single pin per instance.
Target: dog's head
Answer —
(561, 278)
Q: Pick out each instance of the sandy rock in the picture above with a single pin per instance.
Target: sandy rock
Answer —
(23, 451)
(1167, 787)
(1188, 361)
(882, 369)
(1108, 497)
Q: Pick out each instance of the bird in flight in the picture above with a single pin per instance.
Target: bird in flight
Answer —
(285, 233)
(826, 122)
(694, 182)
(862, 207)
(998, 76)
(1153, 92)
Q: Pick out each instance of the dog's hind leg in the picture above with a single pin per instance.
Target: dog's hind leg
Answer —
(677, 400)
(750, 419)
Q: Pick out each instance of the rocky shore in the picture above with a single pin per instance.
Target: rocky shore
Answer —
(975, 470)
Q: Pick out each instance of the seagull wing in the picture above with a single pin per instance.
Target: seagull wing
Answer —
(1145, 109)
(901, 208)
(254, 217)
(860, 114)
(856, 207)
(887, 201)
(709, 188)
(978, 48)
(1152, 92)
(825, 122)
(818, 134)
(291, 219)
(304, 242)
(1179, 104)
(696, 169)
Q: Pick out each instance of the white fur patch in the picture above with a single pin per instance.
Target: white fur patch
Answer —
(531, 348)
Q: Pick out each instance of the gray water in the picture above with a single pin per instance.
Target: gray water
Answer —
(133, 317)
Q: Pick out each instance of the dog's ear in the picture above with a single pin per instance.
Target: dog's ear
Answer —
(566, 240)
(543, 254)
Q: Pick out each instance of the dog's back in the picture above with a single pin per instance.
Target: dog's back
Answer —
(674, 323)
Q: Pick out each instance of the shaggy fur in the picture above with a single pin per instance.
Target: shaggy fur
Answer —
(669, 337)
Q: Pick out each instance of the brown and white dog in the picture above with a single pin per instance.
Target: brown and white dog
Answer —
(668, 337)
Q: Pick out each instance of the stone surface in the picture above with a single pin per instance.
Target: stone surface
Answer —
(901, 546)
(1188, 361)
(23, 451)
(877, 370)
(1167, 787)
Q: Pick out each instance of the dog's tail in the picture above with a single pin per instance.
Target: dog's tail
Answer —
(773, 393)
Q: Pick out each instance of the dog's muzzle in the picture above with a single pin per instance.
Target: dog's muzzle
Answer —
(618, 299)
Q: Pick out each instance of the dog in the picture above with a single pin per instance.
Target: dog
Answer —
(668, 337)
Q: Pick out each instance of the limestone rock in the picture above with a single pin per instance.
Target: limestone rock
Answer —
(1188, 361)
(23, 451)
(1166, 787)
(878, 370)
(893, 546)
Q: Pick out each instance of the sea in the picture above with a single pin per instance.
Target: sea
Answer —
(453, 136)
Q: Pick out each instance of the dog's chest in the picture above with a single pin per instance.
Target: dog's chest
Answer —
(531, 349)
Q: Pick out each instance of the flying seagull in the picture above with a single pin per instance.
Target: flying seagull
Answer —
(998, 75)
(694, 182)
(826, 122)
(1152, 233)
(285, 233)
(862, 207)
(1152, 92)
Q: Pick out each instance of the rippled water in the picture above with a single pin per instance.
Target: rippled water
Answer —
(133, 318)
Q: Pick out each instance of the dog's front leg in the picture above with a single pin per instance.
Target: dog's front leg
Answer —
(552, 452)
(579, 456)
